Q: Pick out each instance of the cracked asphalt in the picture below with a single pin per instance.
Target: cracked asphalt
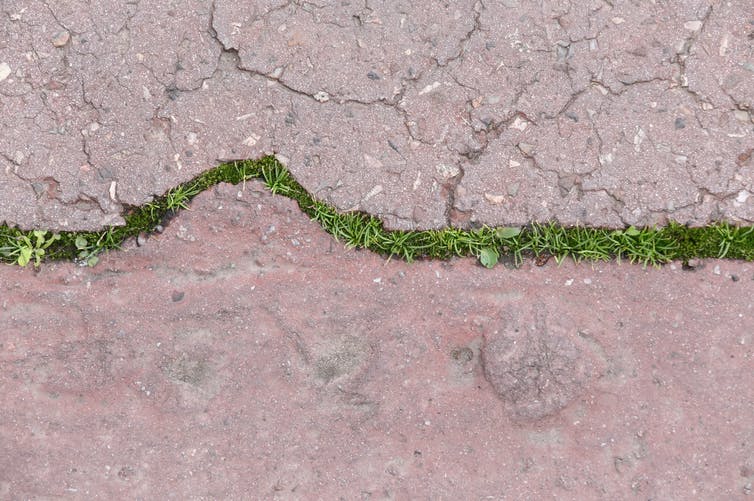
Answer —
(242, 353)
(466, 113)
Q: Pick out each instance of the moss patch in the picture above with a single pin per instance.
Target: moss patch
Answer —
(646, 246)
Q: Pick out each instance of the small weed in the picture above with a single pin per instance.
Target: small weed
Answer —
(90, 245)
(181, 195)
(730, 235)
(23, 247)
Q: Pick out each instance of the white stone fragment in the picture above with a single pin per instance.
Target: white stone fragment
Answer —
(723, 46)
(418, 180)
(603, 90)
(743, 196)
(429, 88)
(692, 25)
(447, 171)
(741, 115)
(251, 140)
(61, 38)
(374, 191)
(618, 20)
(639, 138)
(113, 185)
(4, 71)
(282, 159)
(519, 124)
(494, 199)
(513, 164)
(321, 96)
(371, 162)
(17, 16)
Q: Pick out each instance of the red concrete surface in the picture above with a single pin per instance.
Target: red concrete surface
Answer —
(243, 354)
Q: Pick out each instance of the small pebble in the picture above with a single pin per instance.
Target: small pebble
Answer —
(526, 148)
(741, 115)
(692, 25)
(61, 38)
(693, 264)
(4, 71)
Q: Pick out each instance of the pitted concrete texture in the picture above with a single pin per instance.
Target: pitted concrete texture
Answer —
(264, 361)
(425, 114)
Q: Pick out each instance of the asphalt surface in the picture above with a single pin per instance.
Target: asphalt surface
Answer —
(427, 115)
(242, 353)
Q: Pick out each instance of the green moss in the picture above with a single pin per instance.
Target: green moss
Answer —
(648, 246)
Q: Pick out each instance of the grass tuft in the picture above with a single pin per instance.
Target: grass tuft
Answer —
(645, 246)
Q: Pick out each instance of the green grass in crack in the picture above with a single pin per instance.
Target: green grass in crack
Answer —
(646, 246)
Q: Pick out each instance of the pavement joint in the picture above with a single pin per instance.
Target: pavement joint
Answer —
(359, 230)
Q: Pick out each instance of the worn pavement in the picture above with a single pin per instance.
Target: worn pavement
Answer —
(465, 112)
(242, 353)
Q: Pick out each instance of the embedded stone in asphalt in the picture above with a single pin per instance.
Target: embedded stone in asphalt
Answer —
(244, 353)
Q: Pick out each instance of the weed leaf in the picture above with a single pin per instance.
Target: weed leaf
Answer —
(507, 233)
(488, 256)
